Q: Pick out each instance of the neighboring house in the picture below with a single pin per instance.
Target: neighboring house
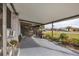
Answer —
(72, 29)
(68, 29)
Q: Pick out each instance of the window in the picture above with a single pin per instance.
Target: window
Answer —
(8, 18)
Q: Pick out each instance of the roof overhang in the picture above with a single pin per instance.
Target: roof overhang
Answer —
(46, 12)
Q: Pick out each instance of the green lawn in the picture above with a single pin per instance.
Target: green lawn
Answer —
(57, 34)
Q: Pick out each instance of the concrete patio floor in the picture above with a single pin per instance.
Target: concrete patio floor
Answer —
(41, 47)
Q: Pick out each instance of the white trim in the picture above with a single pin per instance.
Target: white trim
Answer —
(18, 52)
(4, 29)
(10, 54)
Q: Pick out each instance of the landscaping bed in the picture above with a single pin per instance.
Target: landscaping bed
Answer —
(70, 41)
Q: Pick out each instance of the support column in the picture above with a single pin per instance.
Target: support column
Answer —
(52, 29)
(4, 29)
(41, 31)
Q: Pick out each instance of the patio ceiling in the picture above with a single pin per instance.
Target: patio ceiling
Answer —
(46, 12)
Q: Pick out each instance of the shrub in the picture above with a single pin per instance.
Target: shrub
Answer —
(55, 39)
(13, 42)
(75, 42)
(72, 41)
(63, 36)
(48, 37)
(67, 41)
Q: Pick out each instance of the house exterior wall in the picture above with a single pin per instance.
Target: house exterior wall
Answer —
(73, 30)
(15, 25)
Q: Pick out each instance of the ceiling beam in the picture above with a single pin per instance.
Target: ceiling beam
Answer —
(30, 21)
(14, 8)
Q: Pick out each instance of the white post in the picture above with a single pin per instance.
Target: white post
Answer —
(4, 29)
(19, 25)
(52, 29)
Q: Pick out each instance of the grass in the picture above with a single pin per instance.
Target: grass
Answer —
(57, 34)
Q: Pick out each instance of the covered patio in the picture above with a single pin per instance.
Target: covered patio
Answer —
(26, 21)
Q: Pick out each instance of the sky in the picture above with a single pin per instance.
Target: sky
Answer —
(72, 22)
